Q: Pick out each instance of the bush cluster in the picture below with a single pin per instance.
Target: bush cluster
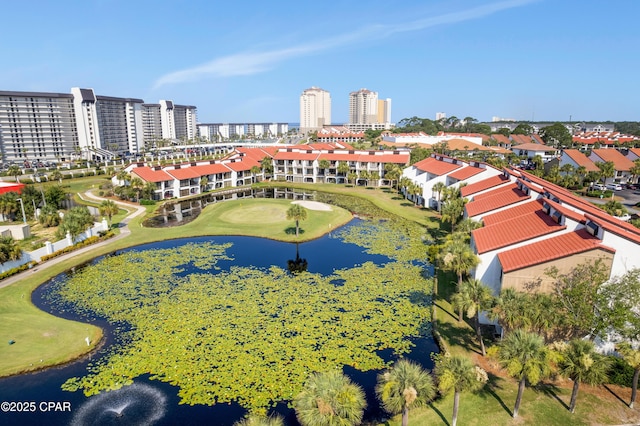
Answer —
(103, 235)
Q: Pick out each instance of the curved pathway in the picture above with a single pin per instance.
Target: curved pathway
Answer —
(124, 232)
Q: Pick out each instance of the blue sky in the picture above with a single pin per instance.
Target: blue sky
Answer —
(248, 61)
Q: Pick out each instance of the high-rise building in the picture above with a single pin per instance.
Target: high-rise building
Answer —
(315, 109)
(106, 124)
(37, 126)
(384, 110)
(363, 107)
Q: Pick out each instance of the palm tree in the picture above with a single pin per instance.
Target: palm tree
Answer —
(581, 363)
(137, 184)
(9, 250)
(256, 420)
(508, 309)
(437, 188)
(526, 359)
(329, 399)
(324, 165)
(632, 357)
(392, 172)
(56, 175)
(14, 171)
(343, 168)
(404, 386)
(122, 176)
(457, 256)
(458, 373)
(607, 170)
(473, 297)
(254, 171)
(267, 165)
(204, 181)
(108, 208)
(452, 210)
(296, 212)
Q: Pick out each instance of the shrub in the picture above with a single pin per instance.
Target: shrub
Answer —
(17, 269)
(66, 176)
(620, 373)
(144, 202)
(26, 181)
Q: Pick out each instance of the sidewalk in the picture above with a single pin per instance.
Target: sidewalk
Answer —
(124, 232)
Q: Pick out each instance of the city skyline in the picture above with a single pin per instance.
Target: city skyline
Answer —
(534, 60)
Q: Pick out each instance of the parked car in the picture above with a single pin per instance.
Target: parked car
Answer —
(598, 187)
(614, 186)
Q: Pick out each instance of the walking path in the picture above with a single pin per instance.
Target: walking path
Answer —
(124, 232)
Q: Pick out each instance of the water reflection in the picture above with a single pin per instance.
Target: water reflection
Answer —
(298, 264)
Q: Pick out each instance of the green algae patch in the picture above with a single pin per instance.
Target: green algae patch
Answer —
(248, 335)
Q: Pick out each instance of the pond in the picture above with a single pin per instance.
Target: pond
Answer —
(157, 402)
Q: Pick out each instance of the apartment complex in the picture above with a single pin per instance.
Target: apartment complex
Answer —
(38, 127)
(315, 109)
(35, 125)
(314, 163)
(529, 224)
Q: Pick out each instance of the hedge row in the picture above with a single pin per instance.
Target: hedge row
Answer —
(91, 240)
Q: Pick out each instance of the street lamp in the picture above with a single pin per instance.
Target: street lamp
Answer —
(24, 217)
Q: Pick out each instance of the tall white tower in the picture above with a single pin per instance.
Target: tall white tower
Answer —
(315, 109)
(363, 107)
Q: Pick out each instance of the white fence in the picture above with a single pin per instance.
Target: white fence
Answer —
(50, 248)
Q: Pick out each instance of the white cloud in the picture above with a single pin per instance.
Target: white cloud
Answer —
(249, 62)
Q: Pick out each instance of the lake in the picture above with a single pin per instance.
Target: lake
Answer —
(155, 402)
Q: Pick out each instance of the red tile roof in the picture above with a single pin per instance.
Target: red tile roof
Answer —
(515, 211)
(622, 229)
(550, 249)
(501, 139)
(147, 174)
(476, 187)
(581, 160)
(565, 211)
(332, 156)
(495, 199)
(242, 166)
(184, 173)
(295, 155)
(436, 167)
(636, 151)
(621, 162)
(466, 173)
(514, 230)
(255, 153)
(530, 146)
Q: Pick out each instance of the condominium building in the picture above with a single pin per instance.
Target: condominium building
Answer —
(151, 123)
(363, 107)
(37, 126)
(217, 132)
(315, 109)
(107, 125)
(185, 121)
(366, 111)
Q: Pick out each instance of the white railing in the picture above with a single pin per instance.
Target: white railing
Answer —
(50, 248)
